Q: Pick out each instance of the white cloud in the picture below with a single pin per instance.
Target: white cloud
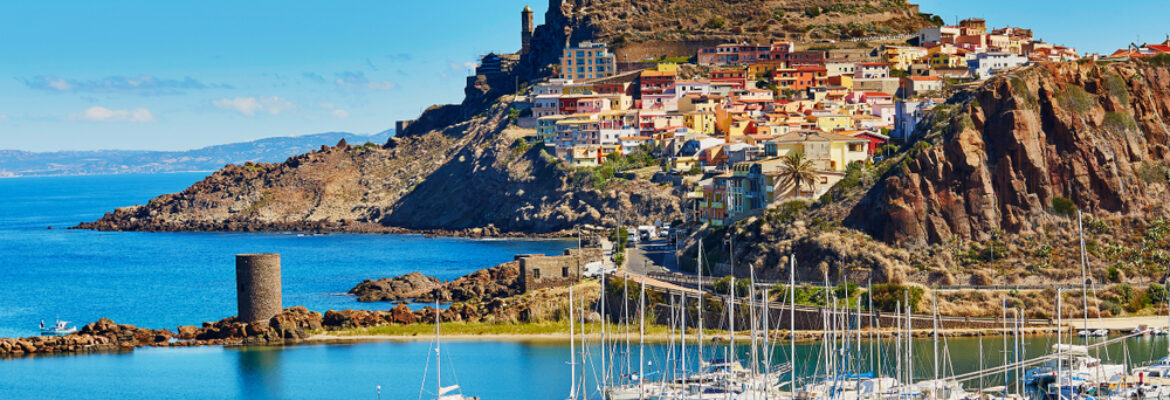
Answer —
(336, 112)
(359, 79)
(59, 84)
(102, 114)
(251, 105)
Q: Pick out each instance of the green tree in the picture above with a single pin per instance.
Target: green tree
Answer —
(796, 171)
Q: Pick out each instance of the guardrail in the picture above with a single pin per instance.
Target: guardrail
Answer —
(693, 281)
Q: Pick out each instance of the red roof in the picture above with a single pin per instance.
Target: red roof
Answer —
(873, 64)
(877, 94)
(1158, 47)
(924, 78)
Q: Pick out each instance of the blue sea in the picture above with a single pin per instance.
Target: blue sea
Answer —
(161, 280)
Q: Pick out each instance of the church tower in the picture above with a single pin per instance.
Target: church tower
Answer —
(526, 29)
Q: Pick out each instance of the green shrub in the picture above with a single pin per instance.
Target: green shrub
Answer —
(887, 295)
(715, 22)
(786, 211)
(1157, 293)
(742, 286)
(1063, 206)
(812, 12)
(1113, 274)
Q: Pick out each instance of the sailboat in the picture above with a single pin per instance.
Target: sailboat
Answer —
(453, 392)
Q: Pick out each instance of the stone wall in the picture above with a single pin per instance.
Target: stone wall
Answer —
(538, 271)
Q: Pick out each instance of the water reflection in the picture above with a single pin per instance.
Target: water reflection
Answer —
(259, 372)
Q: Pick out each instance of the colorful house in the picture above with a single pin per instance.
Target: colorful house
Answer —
(588, 60)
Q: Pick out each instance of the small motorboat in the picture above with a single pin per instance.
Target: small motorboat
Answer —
(61, 328)
(1101, 333)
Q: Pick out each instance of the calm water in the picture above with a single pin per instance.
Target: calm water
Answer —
(163, 280)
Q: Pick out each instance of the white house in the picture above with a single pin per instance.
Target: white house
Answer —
(985, 65)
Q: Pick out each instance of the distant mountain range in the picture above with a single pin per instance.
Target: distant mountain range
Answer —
(98, 162)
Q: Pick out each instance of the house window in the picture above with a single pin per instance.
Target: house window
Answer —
(565, 272)
(536, 273)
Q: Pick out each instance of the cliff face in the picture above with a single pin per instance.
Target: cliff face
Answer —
(1007, 152)
(470, 177)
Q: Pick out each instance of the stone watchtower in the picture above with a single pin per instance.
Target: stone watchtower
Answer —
(526, 29)
(258, 295)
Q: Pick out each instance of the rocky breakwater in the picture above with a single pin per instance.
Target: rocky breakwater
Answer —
(104, 335)
(488, 283)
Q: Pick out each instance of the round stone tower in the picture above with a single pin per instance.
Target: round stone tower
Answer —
(526, 29)
(258, 295)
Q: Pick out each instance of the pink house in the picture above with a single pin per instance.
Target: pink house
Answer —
(592, 105)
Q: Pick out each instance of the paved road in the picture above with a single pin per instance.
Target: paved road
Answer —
(651, 256)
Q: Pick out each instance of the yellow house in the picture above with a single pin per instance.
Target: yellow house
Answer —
(832, 122)
(583, 156)
(571, 89)
(726, 113)
(684, 163)
(943, 60)
(828, 151)
(697, 102)
(736, 129)
(700, 121)
(900, 57)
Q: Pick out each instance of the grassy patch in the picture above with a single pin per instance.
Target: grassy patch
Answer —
(1117, 88)
(1120, 121)
(1153, 173)
(1020, 88)
(1075, 98)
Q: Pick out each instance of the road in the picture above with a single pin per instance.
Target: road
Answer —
(651, 256)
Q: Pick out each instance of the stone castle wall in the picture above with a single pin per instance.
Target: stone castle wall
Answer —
(538, 271)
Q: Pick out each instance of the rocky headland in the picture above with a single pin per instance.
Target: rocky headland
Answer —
(473, 178)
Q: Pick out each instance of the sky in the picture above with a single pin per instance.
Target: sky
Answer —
(175, 75)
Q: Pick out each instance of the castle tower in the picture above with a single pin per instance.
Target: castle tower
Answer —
(526, 29)
(258, 295)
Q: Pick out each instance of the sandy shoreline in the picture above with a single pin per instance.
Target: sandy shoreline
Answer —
(801, 336)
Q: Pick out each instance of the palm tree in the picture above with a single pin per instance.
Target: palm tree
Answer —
(797, 171)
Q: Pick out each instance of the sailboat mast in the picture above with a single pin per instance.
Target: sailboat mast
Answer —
(683, 338)
(1084, 280)
(572, 350)
(909, 343)
(1006, 370)
(792, 324)
(581, 316)
(642, 341)
(702, 304)
(1059, 336)
(934, 318)
(604, 322)
(626, 319)
(438, 356)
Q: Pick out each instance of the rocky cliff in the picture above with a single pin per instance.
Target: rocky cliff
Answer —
(989, 193)
(1007, 155)
(474, 177)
